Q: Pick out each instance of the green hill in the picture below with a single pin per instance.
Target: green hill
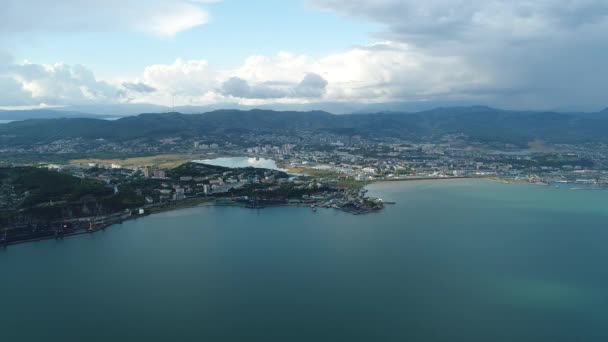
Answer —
(479, 123)
(36, 186)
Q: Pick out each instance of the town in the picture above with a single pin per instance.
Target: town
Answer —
(315, 169)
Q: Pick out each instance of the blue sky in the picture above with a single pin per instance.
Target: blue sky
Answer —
(520, 54)
(236, 29)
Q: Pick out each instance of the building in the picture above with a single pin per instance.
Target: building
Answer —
(218, 181)
(160, 174)
(179, 194)
(147, 171)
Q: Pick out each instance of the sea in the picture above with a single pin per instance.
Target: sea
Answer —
(452, 260)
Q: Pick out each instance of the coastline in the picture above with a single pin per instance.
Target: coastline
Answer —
(206, 202)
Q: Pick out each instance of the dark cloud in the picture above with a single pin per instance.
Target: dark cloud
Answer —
(139, 87)
(238, 87)
(312, 86)
(544, 54)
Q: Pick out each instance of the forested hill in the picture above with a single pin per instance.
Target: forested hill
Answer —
(481, 123)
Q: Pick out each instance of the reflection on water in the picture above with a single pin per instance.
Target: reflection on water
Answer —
(472, 261)
(540, 293)
(234, 162)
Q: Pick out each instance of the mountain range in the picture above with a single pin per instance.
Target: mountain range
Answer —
(477, 122)
(10, 115)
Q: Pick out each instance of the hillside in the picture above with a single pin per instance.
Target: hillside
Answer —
(29, 186)
(479, 123)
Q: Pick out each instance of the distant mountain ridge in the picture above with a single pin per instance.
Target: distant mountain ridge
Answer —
(45, 114)
(477, 122)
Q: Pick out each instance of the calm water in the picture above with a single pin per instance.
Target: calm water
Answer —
(452, 261)
(241, 162)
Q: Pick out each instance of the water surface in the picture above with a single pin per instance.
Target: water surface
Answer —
(234, 162)
(451, 261)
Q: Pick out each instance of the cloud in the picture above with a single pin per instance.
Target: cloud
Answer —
(532, 54)
(138, 87)
(157, 17)
(537, 53)
(373, 74)
(436, 21)
(237, 87)
(240, 88)
(5, 58)
(312, 86)
(182, 78)
(12, 93)
(31, 84)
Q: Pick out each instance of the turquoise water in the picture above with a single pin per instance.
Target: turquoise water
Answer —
(234, 162)
(451, 261)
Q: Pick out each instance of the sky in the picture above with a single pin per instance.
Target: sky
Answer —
(517, 54)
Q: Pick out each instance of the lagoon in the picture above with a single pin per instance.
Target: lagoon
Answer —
(239, 162)
(453, 260)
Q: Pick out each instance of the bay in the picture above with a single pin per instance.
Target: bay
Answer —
(451, 261)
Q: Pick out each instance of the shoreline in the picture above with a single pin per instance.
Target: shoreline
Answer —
(205, 202)
(172, 208)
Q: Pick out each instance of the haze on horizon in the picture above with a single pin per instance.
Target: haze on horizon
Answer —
(518, 54)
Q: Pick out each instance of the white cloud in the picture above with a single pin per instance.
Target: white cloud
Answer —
(380, 72)
(525, 54)
(32, 84)
(158, 17)
(375, 73)
(183, 77)
(517, 53)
